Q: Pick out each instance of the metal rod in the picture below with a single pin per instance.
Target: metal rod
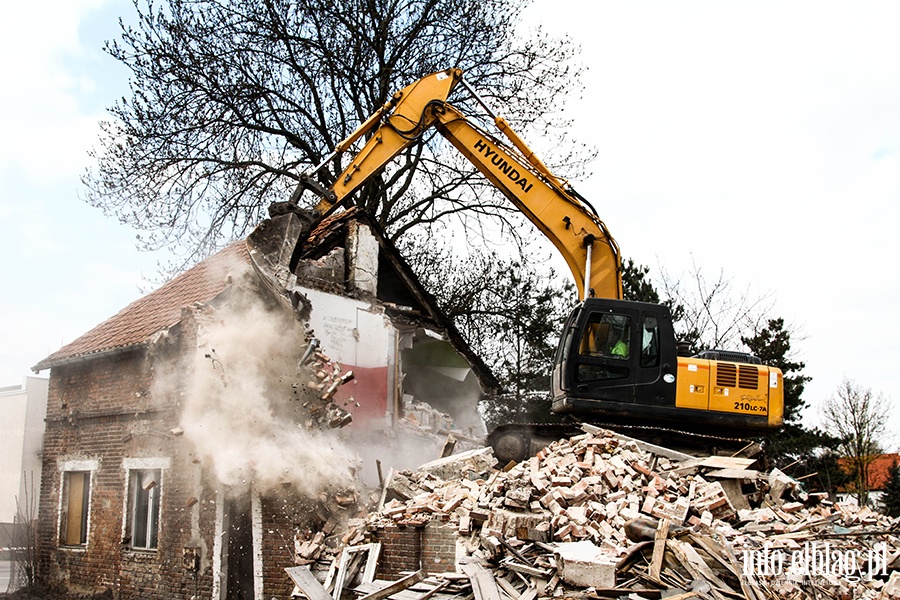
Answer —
(589, 244)
(478, 98)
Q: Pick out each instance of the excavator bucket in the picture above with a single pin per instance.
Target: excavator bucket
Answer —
(273, 247)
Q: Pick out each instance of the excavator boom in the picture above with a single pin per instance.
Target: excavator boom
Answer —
(567, 220)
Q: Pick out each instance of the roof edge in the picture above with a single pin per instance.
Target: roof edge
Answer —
(49, 364)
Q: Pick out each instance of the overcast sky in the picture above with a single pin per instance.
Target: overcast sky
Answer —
(757, 139)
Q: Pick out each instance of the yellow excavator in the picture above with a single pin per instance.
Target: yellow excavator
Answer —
(617, 362)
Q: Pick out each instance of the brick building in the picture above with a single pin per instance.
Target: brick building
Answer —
(180, 459)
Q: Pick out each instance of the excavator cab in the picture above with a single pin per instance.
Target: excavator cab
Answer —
(617, 363)
(612, 359)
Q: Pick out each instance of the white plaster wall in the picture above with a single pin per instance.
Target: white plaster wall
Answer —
(363, 259)
(349, 331)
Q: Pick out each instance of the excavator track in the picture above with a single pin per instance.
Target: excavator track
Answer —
(518, 441)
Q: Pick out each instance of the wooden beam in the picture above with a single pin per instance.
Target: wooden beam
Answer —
(308, 584)
(659, 548)
(397, 586)
(483, 584)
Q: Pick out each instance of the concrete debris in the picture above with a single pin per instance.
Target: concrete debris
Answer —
(421, 416)
(582, 564)
(462, 465)
(597, 516)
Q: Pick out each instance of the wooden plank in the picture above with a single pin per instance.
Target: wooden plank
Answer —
(527, 570)
(428, 594)
(748, 589)
(308, 584)
(515, 552)
(418, 591)
(332, 573)
(714, 550)
(733, 474)
(508, 587)
(686, 556)
(659, 548)
(726, 462)
(384, 489)
(397, 586)
(484, 586)
(645, 446)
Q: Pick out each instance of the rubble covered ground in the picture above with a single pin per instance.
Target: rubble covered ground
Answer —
(599, 515)
(603, 516)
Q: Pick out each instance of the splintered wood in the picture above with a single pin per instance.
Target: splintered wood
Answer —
(602, 516)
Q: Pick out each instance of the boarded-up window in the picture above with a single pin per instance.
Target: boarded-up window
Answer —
(143, 507)
(74, 510)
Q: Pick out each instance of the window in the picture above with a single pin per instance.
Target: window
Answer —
(604, 348)
(650, 342)
(76, 495)
(143, 508)
(606, 335)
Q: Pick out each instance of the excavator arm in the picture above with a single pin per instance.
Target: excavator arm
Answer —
(546, 200)
(651, 386)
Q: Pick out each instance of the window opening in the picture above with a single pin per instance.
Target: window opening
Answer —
(650, 342)
(74, 511)
(144, 494)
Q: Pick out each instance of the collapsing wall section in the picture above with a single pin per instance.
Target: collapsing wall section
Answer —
(412, 385)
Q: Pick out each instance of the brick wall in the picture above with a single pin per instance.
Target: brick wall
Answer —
(284, 513)
(401, 550)
(439, 547)
(101, 410)
(409, 548)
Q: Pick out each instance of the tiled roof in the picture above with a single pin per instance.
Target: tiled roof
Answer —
(139, 321)
(879, 469)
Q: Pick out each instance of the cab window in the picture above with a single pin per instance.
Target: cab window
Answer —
(607, 335)
(650, 342)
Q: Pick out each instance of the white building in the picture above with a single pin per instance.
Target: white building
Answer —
(23, 408)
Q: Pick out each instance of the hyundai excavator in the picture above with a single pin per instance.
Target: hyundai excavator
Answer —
(617, 362)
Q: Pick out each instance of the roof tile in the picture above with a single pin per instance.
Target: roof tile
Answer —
(158, 310)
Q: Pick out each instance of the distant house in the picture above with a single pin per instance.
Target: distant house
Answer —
(21, 435)
(180, 458)
(878, 476)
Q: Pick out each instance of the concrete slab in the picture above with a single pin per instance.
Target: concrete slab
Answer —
(583, 564)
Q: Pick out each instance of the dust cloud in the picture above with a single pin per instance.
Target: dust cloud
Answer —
(243, 403)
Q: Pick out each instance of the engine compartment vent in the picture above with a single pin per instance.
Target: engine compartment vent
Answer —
(726, 375)
(748, 377)
(731, 375)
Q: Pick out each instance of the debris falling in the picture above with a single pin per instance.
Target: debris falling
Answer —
(247, 407)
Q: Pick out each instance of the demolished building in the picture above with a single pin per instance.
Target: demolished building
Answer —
(190, 437)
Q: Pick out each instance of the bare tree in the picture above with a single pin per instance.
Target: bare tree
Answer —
(232, 99)
(22, 541)
(710, 313)
(858, 418)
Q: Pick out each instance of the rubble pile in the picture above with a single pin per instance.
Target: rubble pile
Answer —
(600, 515)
